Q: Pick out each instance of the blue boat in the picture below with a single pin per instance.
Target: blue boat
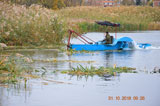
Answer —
(124, 43)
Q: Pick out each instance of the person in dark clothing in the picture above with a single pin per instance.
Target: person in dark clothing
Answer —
(108, 38)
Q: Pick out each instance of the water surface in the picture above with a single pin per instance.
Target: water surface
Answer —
(91, 91)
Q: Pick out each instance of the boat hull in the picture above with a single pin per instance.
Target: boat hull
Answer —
(94, 47)
(124, 43)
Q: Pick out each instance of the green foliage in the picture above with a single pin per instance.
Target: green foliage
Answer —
(61, 4)
(90, 71)
(150, 3)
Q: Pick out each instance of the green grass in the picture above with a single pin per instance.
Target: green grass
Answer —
(91, 71)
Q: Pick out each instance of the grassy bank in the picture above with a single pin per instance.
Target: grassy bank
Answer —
(130, 17)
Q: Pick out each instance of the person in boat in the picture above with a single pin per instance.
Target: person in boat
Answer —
(108, 38)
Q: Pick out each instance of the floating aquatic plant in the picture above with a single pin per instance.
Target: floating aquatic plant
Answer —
(90, 71)
(72, 61)
(15, 68)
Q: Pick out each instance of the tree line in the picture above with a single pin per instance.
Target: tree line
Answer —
(57, 4)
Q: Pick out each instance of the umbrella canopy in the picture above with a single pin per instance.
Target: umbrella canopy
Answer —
(107, 23)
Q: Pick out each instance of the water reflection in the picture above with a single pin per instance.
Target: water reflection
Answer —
(118, 58)
(104, 58)
(13, 91)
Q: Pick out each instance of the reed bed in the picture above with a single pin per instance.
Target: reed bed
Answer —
(34, 25)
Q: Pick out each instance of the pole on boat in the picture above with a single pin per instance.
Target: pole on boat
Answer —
(81, 37)
(116, 33)
(70, 33)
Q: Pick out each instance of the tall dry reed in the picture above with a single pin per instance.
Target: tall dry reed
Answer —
(34, 25)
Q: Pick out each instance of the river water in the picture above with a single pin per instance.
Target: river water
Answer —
(127, 89)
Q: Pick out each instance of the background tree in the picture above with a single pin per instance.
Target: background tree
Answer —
(150, 2)
(81, 2)
(138, 2)
(55, 4)
(61, 4)
(128, 2)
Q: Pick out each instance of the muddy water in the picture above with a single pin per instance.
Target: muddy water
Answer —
(56, 89)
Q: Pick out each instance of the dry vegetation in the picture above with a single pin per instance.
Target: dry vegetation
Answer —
(34, 25)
